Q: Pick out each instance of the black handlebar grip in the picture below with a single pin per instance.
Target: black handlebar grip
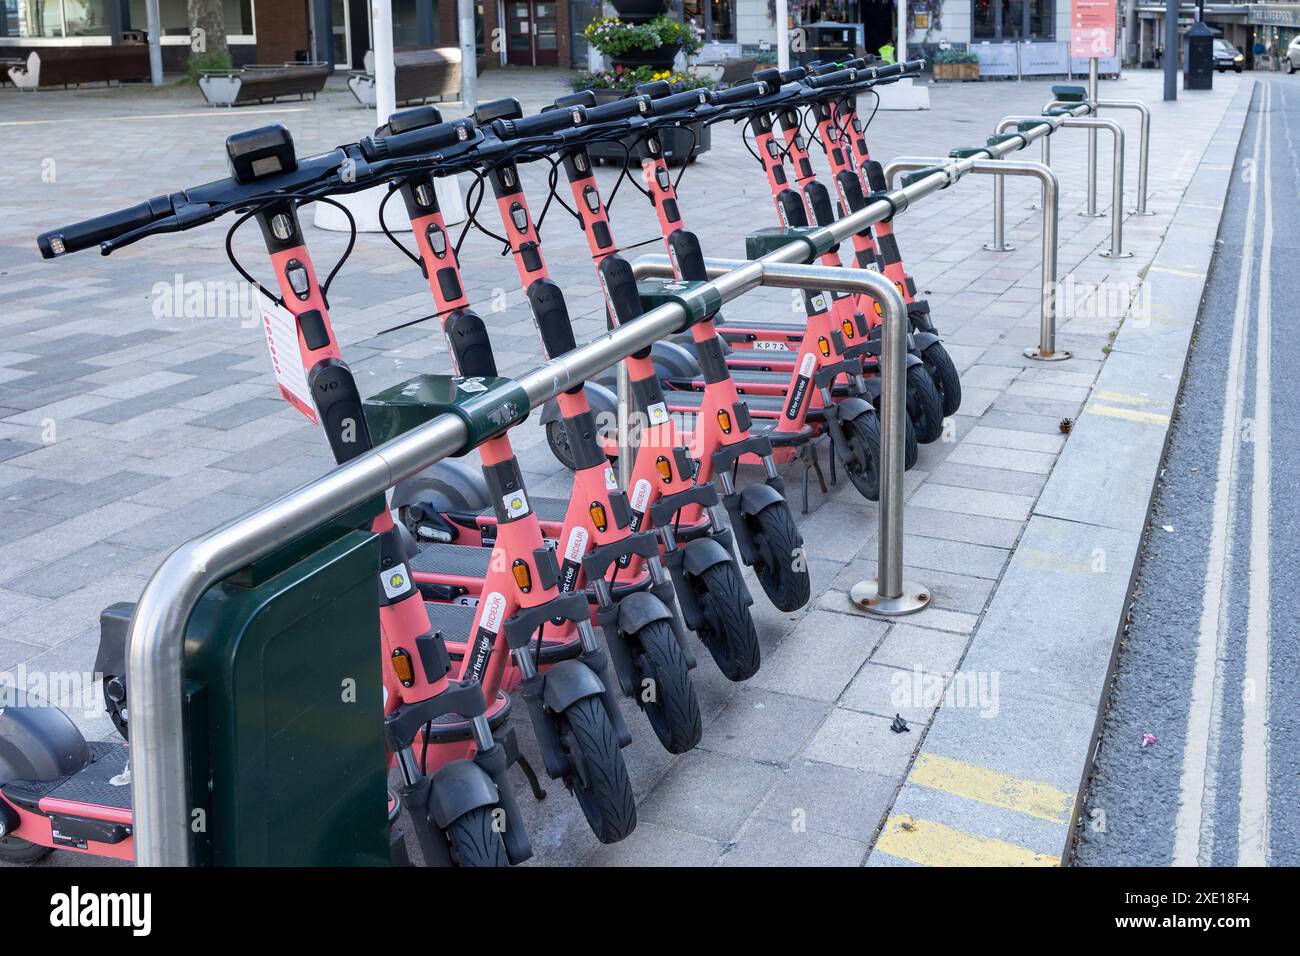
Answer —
(618, 110)
(584, 98)
(740, 93)
(91, 232)
(837, 78)
(426, 139)
(770, 75)
(552, 121)
(656, 90)
(689, 99)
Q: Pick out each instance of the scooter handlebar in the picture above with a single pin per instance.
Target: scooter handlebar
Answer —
(552, 121)
(91, 232)
(426, 139)
(617, 110)
(742, 92)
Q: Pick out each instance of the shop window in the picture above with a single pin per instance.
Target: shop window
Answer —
(1014, 19)
(715, 18)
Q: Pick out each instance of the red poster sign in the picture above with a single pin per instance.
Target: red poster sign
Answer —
(1092, 28)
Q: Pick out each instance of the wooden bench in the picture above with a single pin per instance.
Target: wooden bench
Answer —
(72, 66)
(420, 75)
(262, 83)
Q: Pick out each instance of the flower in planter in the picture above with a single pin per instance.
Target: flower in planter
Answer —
(623, 79)
(614, 37)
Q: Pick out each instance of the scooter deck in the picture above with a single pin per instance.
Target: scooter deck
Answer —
(738, 332)
(766, 409)
(458, 560)
(91, 786)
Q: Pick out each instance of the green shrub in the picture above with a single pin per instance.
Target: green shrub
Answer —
(205, 62)
(953, 55)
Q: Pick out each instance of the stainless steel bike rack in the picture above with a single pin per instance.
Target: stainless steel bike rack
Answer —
(1144, 145)
(887, 594)
(1116, 250)
(1046, 349)
(160, 788)
(155, 645)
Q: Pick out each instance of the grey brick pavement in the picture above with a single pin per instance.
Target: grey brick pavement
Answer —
(122, 432)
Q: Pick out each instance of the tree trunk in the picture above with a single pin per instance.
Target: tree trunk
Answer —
(207, 27)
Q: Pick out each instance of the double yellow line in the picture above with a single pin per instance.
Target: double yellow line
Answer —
(931, 843)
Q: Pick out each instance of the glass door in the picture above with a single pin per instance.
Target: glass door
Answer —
(339, 26)
(532, 37)
(546, 44)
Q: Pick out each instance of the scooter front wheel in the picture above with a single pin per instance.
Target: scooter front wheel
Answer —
(475, 841)
(863, 467)
(782, 568)
(601, 784)
(924, 404)
(558, 439)
(726, 627)
(14, 850)
(940, 365)
(666, 693)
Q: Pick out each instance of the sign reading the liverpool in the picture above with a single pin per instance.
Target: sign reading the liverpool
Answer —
(1092, 29)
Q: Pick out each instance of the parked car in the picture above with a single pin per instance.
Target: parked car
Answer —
(1227, 56)
(1291, 59)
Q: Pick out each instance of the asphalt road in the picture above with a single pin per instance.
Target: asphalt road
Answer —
(1210, 668)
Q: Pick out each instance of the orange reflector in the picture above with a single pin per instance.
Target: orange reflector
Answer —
(597, 511)
(724, 421)
(825, 346)
(523, 577)
(402, 667)
(877, 307)
(665, 468)
(847, 328)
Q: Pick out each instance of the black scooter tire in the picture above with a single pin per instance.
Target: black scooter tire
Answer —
(601, 786)
(726, 626)
(475, 841)
(940, 365)
(863, 435)
(14, 850)
(924, 404)
(672, 708)
(559, 442)
(782, 570)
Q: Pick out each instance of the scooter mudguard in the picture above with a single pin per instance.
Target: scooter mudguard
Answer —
(638, 609)
(458, 788)
(38, 742)
(918, 315)
(923, 340)
(450, 485)
(601, 399)
(847, 409)
(702, 554)
(754, 498)
(568, 682)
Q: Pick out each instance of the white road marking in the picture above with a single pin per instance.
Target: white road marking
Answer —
(1252, 825)
(197, 114)
(1198, 770)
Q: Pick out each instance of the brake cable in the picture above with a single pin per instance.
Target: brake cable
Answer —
(302, 199)
(392, 189)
